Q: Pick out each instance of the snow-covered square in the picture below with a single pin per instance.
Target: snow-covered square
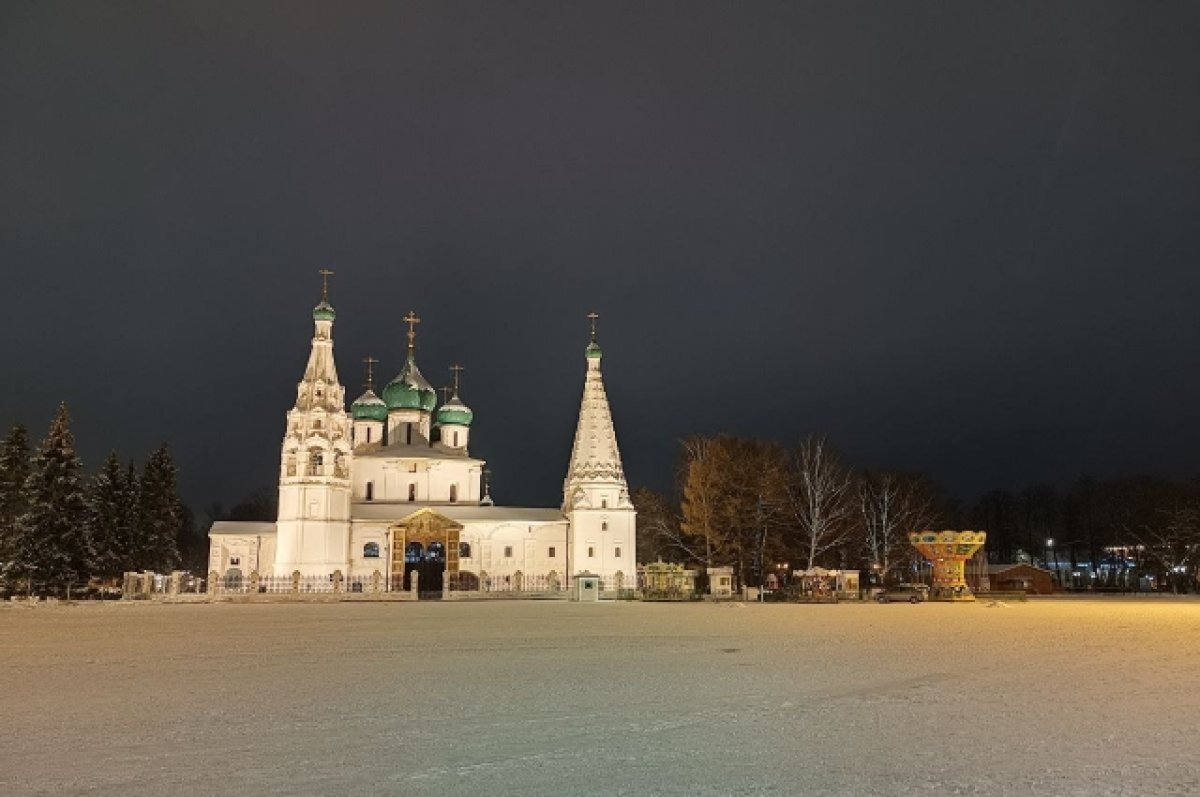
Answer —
(1064, 697)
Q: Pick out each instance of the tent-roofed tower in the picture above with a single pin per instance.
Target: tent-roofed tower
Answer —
(595, 495)
(314, 472)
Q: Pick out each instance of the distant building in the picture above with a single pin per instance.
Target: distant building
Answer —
(1021, 578)
(390, 486)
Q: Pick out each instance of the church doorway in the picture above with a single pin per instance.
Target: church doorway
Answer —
(426, 544)
(428, 563)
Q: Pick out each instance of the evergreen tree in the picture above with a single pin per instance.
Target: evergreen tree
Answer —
(133, 537)
(110, 519)
(51, 540)
(159, 514)
(14, 470)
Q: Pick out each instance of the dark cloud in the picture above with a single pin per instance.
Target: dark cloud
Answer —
(957, 237)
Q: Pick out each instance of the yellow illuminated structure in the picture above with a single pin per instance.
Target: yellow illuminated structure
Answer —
(948, 552)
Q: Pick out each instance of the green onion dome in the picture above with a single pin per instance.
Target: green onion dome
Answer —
(324, 312)
(593, 351)
(455, 412)
(369, 407)
(409, 390)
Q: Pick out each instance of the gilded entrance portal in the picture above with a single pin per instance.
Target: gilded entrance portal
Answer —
(428, 530)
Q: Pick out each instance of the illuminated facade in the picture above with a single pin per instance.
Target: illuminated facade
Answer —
(391, 488)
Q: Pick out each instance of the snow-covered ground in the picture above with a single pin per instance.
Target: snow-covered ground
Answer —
(1052, 697)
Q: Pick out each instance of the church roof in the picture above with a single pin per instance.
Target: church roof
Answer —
(369, 407)
(241, 528)
(595, 458)
(320, 389)
(378, 510)
(420, 450)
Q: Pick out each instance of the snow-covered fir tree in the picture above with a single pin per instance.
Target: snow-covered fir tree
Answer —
(110, 509)
(159, 514)
(14, 470)
(51, 540)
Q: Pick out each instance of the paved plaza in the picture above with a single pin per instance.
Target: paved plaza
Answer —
(1059, 696)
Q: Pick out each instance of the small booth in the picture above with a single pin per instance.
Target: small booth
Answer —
(661, 581)
(585, 587)
(720, 582)
(819, 585)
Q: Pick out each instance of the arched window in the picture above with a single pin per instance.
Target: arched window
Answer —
(316, 462)
(464, 550)
(453, 493)
(408, 433)
(412, 492)
(456, 439)
(604, 503)
(371, 550)
(604, 525)
(370, 493)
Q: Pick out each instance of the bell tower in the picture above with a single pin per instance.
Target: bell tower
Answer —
(314, 472)
(602, 529)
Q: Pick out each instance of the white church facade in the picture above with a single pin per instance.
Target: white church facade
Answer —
(390, 492)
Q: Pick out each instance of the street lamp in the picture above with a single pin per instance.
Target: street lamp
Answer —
(1049, 553)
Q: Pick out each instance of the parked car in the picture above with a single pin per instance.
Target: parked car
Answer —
(904, 592)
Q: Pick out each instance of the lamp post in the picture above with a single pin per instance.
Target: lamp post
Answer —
(1049, 553)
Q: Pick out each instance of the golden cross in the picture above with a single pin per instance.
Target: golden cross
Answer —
(457, 369)
(325, 275)
(592, 317)
(412, 321)
(370, 361)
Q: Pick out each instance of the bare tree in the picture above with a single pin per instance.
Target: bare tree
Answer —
(702, 483)
(820, 499)
(732, 500)
(658, 529)
(1170, 542)
(891, 505)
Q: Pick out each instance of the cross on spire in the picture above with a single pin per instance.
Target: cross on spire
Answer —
(370, 361)
(457, 370)
(592, 317)
(325, 275)
(412, 320)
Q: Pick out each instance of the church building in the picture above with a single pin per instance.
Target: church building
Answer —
(390, 491)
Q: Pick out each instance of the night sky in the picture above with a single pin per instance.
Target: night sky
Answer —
(955, 237)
